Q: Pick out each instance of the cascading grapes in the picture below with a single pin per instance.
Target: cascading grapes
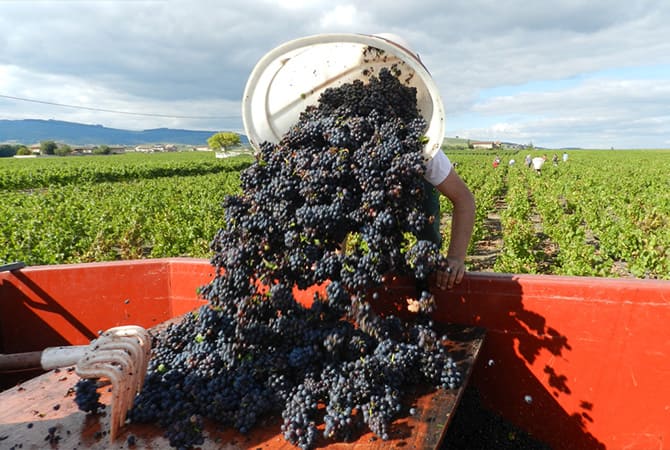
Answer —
(333, 202)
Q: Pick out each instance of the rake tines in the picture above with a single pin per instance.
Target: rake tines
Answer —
(120, 354)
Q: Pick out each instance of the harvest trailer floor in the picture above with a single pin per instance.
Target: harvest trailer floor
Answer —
(41, 413)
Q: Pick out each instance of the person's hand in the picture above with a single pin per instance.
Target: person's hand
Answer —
(450, 275)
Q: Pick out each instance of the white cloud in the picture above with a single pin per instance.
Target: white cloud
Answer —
(193, 58)
(293, 5)
(41, 96)
(613, 112)
(340, 16)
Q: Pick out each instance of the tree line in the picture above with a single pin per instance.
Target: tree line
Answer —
(218, 141)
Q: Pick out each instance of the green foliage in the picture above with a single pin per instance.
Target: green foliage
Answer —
(102, 150)
(48, 147)
(98, 208)
(605, 213)
(223, 139)
(45, 172)
(602, 213)
(519, 253)
(63, 150)
(9, 149)
(23, 151)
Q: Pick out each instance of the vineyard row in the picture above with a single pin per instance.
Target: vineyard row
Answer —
(601, 213)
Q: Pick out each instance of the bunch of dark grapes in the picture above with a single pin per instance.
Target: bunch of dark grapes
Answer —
(334, 201)
(87, 396)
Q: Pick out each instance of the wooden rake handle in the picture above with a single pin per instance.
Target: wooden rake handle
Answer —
(47, 359)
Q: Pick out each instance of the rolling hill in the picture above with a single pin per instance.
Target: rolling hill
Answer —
(33, 131)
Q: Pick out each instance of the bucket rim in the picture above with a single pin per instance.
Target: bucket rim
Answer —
(435, 130)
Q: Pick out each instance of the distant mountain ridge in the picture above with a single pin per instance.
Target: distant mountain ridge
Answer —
(33, 131)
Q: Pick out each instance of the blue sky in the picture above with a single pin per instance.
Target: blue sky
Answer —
(564, 73)
(652, 72)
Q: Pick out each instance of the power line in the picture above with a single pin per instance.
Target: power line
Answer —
(89, 108)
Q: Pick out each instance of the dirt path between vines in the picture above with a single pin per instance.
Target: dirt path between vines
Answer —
(486, 251)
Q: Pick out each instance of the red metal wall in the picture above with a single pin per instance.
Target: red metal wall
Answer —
(580, 362)
(591, 354)
(70, 303)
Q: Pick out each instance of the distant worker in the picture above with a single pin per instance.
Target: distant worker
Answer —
(511, 162)
(565, 156)
(496, 162)
(554, 159)
(538, 162)
(528, 161)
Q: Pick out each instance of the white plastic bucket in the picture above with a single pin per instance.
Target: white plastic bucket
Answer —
(293, 75)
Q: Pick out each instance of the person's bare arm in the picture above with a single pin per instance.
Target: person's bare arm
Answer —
(454, 188)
